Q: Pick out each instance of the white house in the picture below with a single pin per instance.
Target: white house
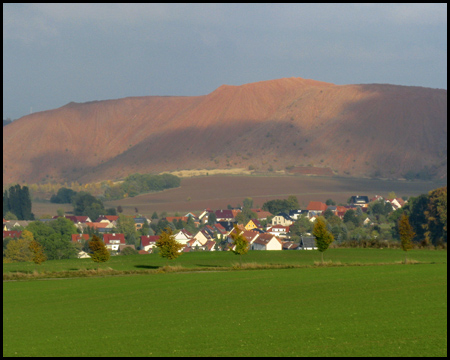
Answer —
(183, 236)
(266, 242)
(279, 230)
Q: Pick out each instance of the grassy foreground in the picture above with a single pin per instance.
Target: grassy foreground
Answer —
(388, 310)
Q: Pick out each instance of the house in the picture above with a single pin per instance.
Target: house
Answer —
(359, 200)
(396, 203)
(97, 226)
(10, 225)
(227, 225)
(148, 242)
(139, 222)
(203, 217)
(253, 224)
(113, 241)
(279, 230)
(107, 218)
(289, 245)
(261, 215)
(224, 215)
(183, 236)
(295, 214)
(12, 234)
(209, 246)
(340, 211)
(203, 236)
(282, 219)
(80, 238)
(308, 243)
(76, 219)
(316, 208)
(194, 243)
(83, 255)
(266, 242)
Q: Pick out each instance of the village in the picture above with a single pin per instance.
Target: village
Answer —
(210, 230)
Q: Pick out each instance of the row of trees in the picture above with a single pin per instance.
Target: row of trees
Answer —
(17, 202)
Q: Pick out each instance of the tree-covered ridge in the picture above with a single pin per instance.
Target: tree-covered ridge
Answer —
(136, 184)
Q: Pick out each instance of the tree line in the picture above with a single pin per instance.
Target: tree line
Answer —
(17, 202)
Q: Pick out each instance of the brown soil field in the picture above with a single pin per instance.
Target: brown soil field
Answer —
(216, 192)
(310, 170)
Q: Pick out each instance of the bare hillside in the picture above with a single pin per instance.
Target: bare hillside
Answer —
(356, 130)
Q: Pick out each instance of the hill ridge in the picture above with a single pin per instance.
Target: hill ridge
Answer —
(379, 130)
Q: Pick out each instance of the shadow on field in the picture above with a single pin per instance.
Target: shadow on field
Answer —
(147, 266)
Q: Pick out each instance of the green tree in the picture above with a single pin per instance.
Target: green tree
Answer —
(212, 219)
(436, 216)
(406, 234)
(168, 247)
(126, 226)
(63, 196)
(85, 204)
(10, 216)
(154, 215)
(18, 201)
(323, 237)
(99, 251)
(129, 251)
(248, 203)
(63, 226)
(240, 243)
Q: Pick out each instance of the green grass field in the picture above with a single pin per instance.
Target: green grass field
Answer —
(389, 310)
(227, 259)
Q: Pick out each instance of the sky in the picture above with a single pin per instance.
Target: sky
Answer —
(57, 53)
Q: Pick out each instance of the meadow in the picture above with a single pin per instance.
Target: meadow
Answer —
(220, 260)
(389, 310)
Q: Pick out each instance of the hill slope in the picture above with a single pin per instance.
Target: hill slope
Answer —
(357, 130)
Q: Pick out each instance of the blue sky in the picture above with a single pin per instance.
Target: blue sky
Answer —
(57, 53)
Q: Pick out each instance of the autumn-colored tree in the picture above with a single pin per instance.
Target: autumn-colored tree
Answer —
(323, 237)
(241, 245)
(18, 250)
(37, 250)
(168, 247)
(99, 251)
(406, 234)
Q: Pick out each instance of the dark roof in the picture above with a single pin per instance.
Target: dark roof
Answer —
(286, 216)
(224, 214)
(228, 225)
(356, 199)
(308, 241)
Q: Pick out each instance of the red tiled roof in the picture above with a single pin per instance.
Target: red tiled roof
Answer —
(108, 237)
(317, 205)
(147, 240)
(97, 225)
(79, 237)
(12, 234)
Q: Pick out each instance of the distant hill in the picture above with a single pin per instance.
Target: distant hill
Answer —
(373, 130)
(6, 122)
